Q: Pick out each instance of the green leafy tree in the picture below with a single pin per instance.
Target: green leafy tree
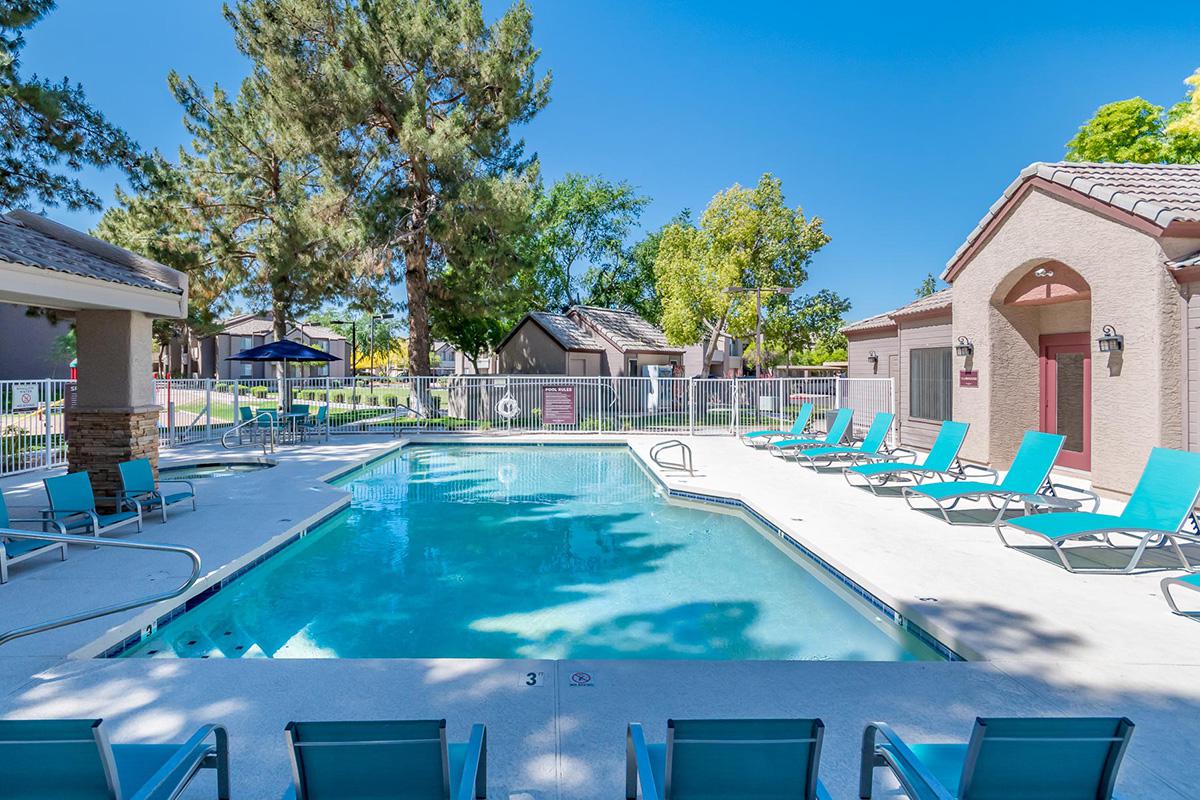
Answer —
(409, 104)
(1139, 131)
(746, 237)
(48, 131)
(927, 286)
(582, 223)
(804, 329)
(635, 289)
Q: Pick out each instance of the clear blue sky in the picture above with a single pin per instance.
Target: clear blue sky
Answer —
(897, 125)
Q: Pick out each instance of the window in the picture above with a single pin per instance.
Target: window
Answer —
(633, 368)
(929, 383)
(247, 369)
(247, 342)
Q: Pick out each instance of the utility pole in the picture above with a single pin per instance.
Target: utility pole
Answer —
(758, 293)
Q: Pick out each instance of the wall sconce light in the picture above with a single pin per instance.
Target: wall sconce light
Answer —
(964, 347)
(873, 357)
(1110, 341)
(1043, 272)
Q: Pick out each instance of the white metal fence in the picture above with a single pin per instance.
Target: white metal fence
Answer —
(32, 422)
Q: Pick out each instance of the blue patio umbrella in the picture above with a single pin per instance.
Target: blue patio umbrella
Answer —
(283, 351)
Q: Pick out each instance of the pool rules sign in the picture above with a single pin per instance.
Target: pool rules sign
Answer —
(25, 396)
(558, 405)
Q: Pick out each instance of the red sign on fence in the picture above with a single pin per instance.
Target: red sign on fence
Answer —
(558, 405)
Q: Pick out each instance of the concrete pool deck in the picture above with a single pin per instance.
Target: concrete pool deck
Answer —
(1051, 642)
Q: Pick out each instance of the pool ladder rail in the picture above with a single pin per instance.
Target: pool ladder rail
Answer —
(685, 455)
(103, 611)
(268, 433)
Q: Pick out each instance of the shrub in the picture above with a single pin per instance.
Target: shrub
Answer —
(391, 401)
(339, 397)
(259, 391)
(222, 387)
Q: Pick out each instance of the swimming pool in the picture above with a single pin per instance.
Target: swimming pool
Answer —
(212, 469)
(492, 551)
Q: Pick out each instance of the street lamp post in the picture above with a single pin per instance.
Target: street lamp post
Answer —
(757, 291)
(374, 319)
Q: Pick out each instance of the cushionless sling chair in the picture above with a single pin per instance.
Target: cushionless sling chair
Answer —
(837, 431)
(802, 417)
(1026, 477)
(1157, 513)
(941, 462)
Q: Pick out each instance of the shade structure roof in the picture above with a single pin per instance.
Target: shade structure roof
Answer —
(287, 350)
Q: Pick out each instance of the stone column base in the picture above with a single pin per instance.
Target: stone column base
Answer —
(100, 438)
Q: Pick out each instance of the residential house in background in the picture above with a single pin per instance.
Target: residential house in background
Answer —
(1074, 308)
(206, 356)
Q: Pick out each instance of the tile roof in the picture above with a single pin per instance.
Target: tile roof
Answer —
(35, 241)
(564, 330)
(1160, 193)
(626, 329)
(1187, 261)
(924, 305)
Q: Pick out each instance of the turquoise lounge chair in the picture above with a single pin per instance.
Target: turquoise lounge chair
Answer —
(137, 481)
(797, 429)
(1156, 513)
(941, 462)
(837, 431)
(727, 759)
(73, 506)
(1028, 475)
(14, 551)
(1185, 582)
(1067, 758)
(871, 447)
(72, 759)
(408, 759)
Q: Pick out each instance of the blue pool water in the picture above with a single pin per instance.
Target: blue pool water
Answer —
(532, 552)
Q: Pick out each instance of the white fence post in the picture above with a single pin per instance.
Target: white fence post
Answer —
(46, 403)
(208, 407)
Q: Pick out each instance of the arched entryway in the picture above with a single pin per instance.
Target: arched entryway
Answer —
(1049, 305)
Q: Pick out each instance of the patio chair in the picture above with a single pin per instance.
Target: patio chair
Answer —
(1064, 758)
(72, 758)
(872, 445)
(733, 759)
(797, 429)
(317, 422)
(1027, 477)
(73, 506)
(941, 461)
(138, 483)
(1184, 582)
(386, 758)
(837, 431)
(299, 408)
(14, 551)
(1157, 511)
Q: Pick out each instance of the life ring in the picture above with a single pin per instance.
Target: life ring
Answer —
(508, 407)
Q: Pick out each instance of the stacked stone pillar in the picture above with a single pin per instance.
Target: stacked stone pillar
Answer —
(114, 417)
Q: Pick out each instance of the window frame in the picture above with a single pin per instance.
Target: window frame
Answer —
(946, 400)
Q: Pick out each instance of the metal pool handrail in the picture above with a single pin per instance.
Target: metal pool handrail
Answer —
(252, 421)
(685, 455)
(116, 608)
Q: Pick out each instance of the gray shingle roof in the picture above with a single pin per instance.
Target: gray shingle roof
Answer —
(565, 331)
(1160, 193)
(626, 329)
(934, 302)
(263, 325)
(35, 241)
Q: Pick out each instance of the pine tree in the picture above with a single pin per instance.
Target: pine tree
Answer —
(408, 104)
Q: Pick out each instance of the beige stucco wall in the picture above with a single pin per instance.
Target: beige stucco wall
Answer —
(1136, 395)
(116, 362)
(531, 351)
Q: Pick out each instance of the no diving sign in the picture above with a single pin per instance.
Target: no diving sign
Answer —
(25, 395)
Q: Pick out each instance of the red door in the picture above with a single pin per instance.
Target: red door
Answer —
(1066, 395)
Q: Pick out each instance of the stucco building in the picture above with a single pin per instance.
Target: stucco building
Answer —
(206, 355)
(1074, 308)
